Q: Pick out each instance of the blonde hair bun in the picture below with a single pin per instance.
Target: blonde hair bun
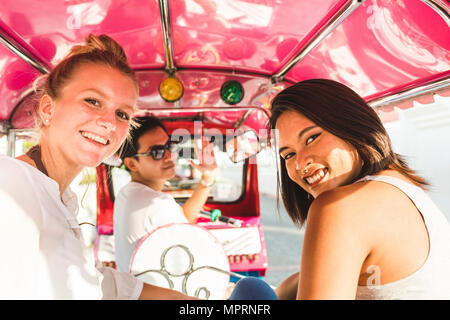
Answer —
(100, 49)
(100, 43)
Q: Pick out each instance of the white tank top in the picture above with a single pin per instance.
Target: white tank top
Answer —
(432, 280)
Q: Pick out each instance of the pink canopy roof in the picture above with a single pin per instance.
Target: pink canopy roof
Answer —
(377, 47)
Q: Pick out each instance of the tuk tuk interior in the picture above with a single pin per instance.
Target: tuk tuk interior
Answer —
(390, 52)
(235, 192)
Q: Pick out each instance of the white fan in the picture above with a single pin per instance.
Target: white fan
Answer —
(183, 257)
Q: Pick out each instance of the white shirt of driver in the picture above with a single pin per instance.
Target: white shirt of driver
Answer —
(138, 210)
(43, 255)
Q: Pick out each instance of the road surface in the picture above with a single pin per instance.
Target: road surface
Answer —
(283, 240)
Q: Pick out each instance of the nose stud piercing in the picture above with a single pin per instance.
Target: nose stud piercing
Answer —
(302, 171)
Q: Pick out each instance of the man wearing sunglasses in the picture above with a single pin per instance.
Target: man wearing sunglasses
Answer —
(141, 206)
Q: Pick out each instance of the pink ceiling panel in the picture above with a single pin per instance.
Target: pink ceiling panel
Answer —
(16, 76)
(258, 36)
(53, 26)
(383, 44)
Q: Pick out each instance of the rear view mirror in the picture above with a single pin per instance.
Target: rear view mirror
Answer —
(242, 146)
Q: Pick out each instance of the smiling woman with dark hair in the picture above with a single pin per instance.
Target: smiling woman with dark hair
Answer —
(371, 232)
(343, 113)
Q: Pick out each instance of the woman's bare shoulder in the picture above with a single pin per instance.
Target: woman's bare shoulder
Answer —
(365, 193)
(344, 218)
(350, 196)
(364, 202)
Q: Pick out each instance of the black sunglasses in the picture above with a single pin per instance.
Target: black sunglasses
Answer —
(157, 152)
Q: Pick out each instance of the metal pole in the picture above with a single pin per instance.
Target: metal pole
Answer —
(22, 52)
(441, 8)
(410, 93)
(203, 109)
(317, 38)
(11, 143)
(167, 35)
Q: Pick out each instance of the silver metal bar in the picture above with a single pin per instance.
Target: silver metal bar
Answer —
(318, 37)
(410, 93)
(242, 120)
(231, 273)
(11, 144)
(203, 109)
(22, 52)
(13, 134)
(441, 8)
(167, 35)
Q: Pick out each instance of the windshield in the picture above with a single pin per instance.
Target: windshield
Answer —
(229, 182)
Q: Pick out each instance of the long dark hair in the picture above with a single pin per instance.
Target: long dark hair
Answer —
(339, 110)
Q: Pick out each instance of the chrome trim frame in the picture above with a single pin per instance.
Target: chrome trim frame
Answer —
(242, 119)
(410, 93)
(11, 143)
(13, 134)
(317, 38)
(167, 36)
(441, 8)
(22, 52)
(149, 111)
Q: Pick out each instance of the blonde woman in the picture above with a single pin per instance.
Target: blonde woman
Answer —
(84, 114)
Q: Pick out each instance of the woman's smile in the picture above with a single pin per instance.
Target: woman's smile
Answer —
(95, 138)
(314, 158)
(316, 177)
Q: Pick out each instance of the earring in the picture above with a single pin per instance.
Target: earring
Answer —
(46, 121)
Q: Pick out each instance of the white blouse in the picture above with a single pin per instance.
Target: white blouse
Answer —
(43, 255)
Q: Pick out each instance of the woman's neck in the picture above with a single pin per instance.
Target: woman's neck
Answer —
(58, 167)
